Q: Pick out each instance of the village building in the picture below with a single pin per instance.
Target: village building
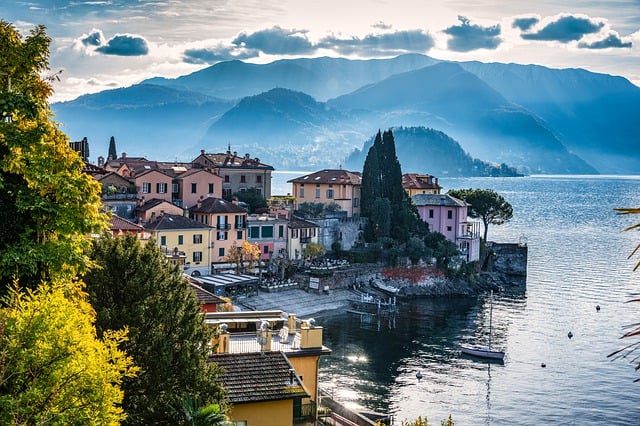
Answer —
(329, 186)
(414, 184)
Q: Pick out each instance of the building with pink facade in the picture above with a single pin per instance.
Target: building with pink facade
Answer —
(448, 216)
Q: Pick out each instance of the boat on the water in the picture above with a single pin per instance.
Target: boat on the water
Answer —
(485, 351)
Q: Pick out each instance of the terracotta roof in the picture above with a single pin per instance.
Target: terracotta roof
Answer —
(216, 205)
(116, 223)
(259, 377)
(233, 160)
(437, 200)
(297, 223)
(204, 297)
(417, 181)
(334, 176)
(154, 202)
(168, 222)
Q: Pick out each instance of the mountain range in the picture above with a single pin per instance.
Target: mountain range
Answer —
(305, 114)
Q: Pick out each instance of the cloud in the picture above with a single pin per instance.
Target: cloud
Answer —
(94, 38)
(212, 55)
(125, 45)
(380, 25)
(566, 28)
(380, 44)
(276, 41)
(466, 37)
(613, 40)
(525, 23)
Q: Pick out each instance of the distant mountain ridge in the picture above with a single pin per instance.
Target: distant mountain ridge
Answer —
(313, 113)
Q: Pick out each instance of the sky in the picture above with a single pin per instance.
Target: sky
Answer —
(105, 44)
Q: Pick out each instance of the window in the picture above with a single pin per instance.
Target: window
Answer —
(267, 232)
(449, 214)
(449, 228)
(222, 235)
(197, 256)
(254, 232)
(175, 188)
(161, 188)
(146, 187)
(329, 193)
(259, 179)
(197, 239)
(221, 252)
(243, 179)
(430, 213)
(163, 240)
(265, 249)
(239, 236)
(317, 191)
(226, 178)
(356, 202)
(180, 239)
(194, 188)
(281, 231)
(301, 192)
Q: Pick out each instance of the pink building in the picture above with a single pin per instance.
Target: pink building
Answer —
(194, 185)
(153, 183)
(448, 216)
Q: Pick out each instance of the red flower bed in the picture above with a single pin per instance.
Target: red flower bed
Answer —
(413, 274)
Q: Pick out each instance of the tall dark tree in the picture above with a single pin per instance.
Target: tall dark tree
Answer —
(113, 154)
(486, 204)
(136, 288)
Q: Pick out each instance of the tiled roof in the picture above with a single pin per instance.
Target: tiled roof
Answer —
(233, 160)
(259, 377)
(154, 202)
(116, 223)
(414, 181)
(204, 297)
(167, 222)
(437, 200)
(216, 205)
(333, 176)
(297, 223)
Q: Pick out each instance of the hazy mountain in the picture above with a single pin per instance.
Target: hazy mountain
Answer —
(595, 115)
(146, 120)
(446, 97)
(540, 119)
(322, 78)
(429, 151)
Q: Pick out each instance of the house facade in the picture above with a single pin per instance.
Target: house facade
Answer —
(229, 223)
(153, 183)
(185, 242)
(238, 173)
(414, 184)
(448, 215)
(301, 233)
(329, 186)
(193, 185)
(149, 210)
(269, 233)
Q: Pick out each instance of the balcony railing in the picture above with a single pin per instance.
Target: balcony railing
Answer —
(223, 226)
(241, 226)
(307, 413)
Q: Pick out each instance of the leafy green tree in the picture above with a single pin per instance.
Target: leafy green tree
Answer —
(49, 206)
(254, 199)
(135, 287)
(53, 369)
(486, 204)
(314, 251)
(416, 249)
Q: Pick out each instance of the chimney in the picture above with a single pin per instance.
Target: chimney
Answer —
(202, 152)
(223, 340)
(310, 335)
(292, 375)
(124, 155)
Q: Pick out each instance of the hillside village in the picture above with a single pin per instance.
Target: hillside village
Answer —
(190, 211)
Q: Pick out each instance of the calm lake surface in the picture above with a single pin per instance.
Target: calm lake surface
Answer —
(577, 260)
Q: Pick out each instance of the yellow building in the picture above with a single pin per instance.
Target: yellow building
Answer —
(329, 186)
(270, 362)
(414, 184)
(185, 242)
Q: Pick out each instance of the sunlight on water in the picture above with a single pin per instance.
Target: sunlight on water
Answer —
(577, 260)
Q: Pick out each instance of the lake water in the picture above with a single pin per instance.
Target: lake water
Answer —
(577, 260)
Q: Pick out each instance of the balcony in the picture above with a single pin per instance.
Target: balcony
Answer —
(223, 226)
(305, 240)
(241, 226)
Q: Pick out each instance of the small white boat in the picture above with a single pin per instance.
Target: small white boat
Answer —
(485, 351)
(482, 352)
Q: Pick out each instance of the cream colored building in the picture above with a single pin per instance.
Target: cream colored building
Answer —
(414, 184)
(329, 186)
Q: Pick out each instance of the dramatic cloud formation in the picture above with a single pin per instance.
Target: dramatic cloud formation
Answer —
(612, 41)
(566, 28)
(95, 38)
(276, 41)
(380, 44)
(125, 45)
(466, 37)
